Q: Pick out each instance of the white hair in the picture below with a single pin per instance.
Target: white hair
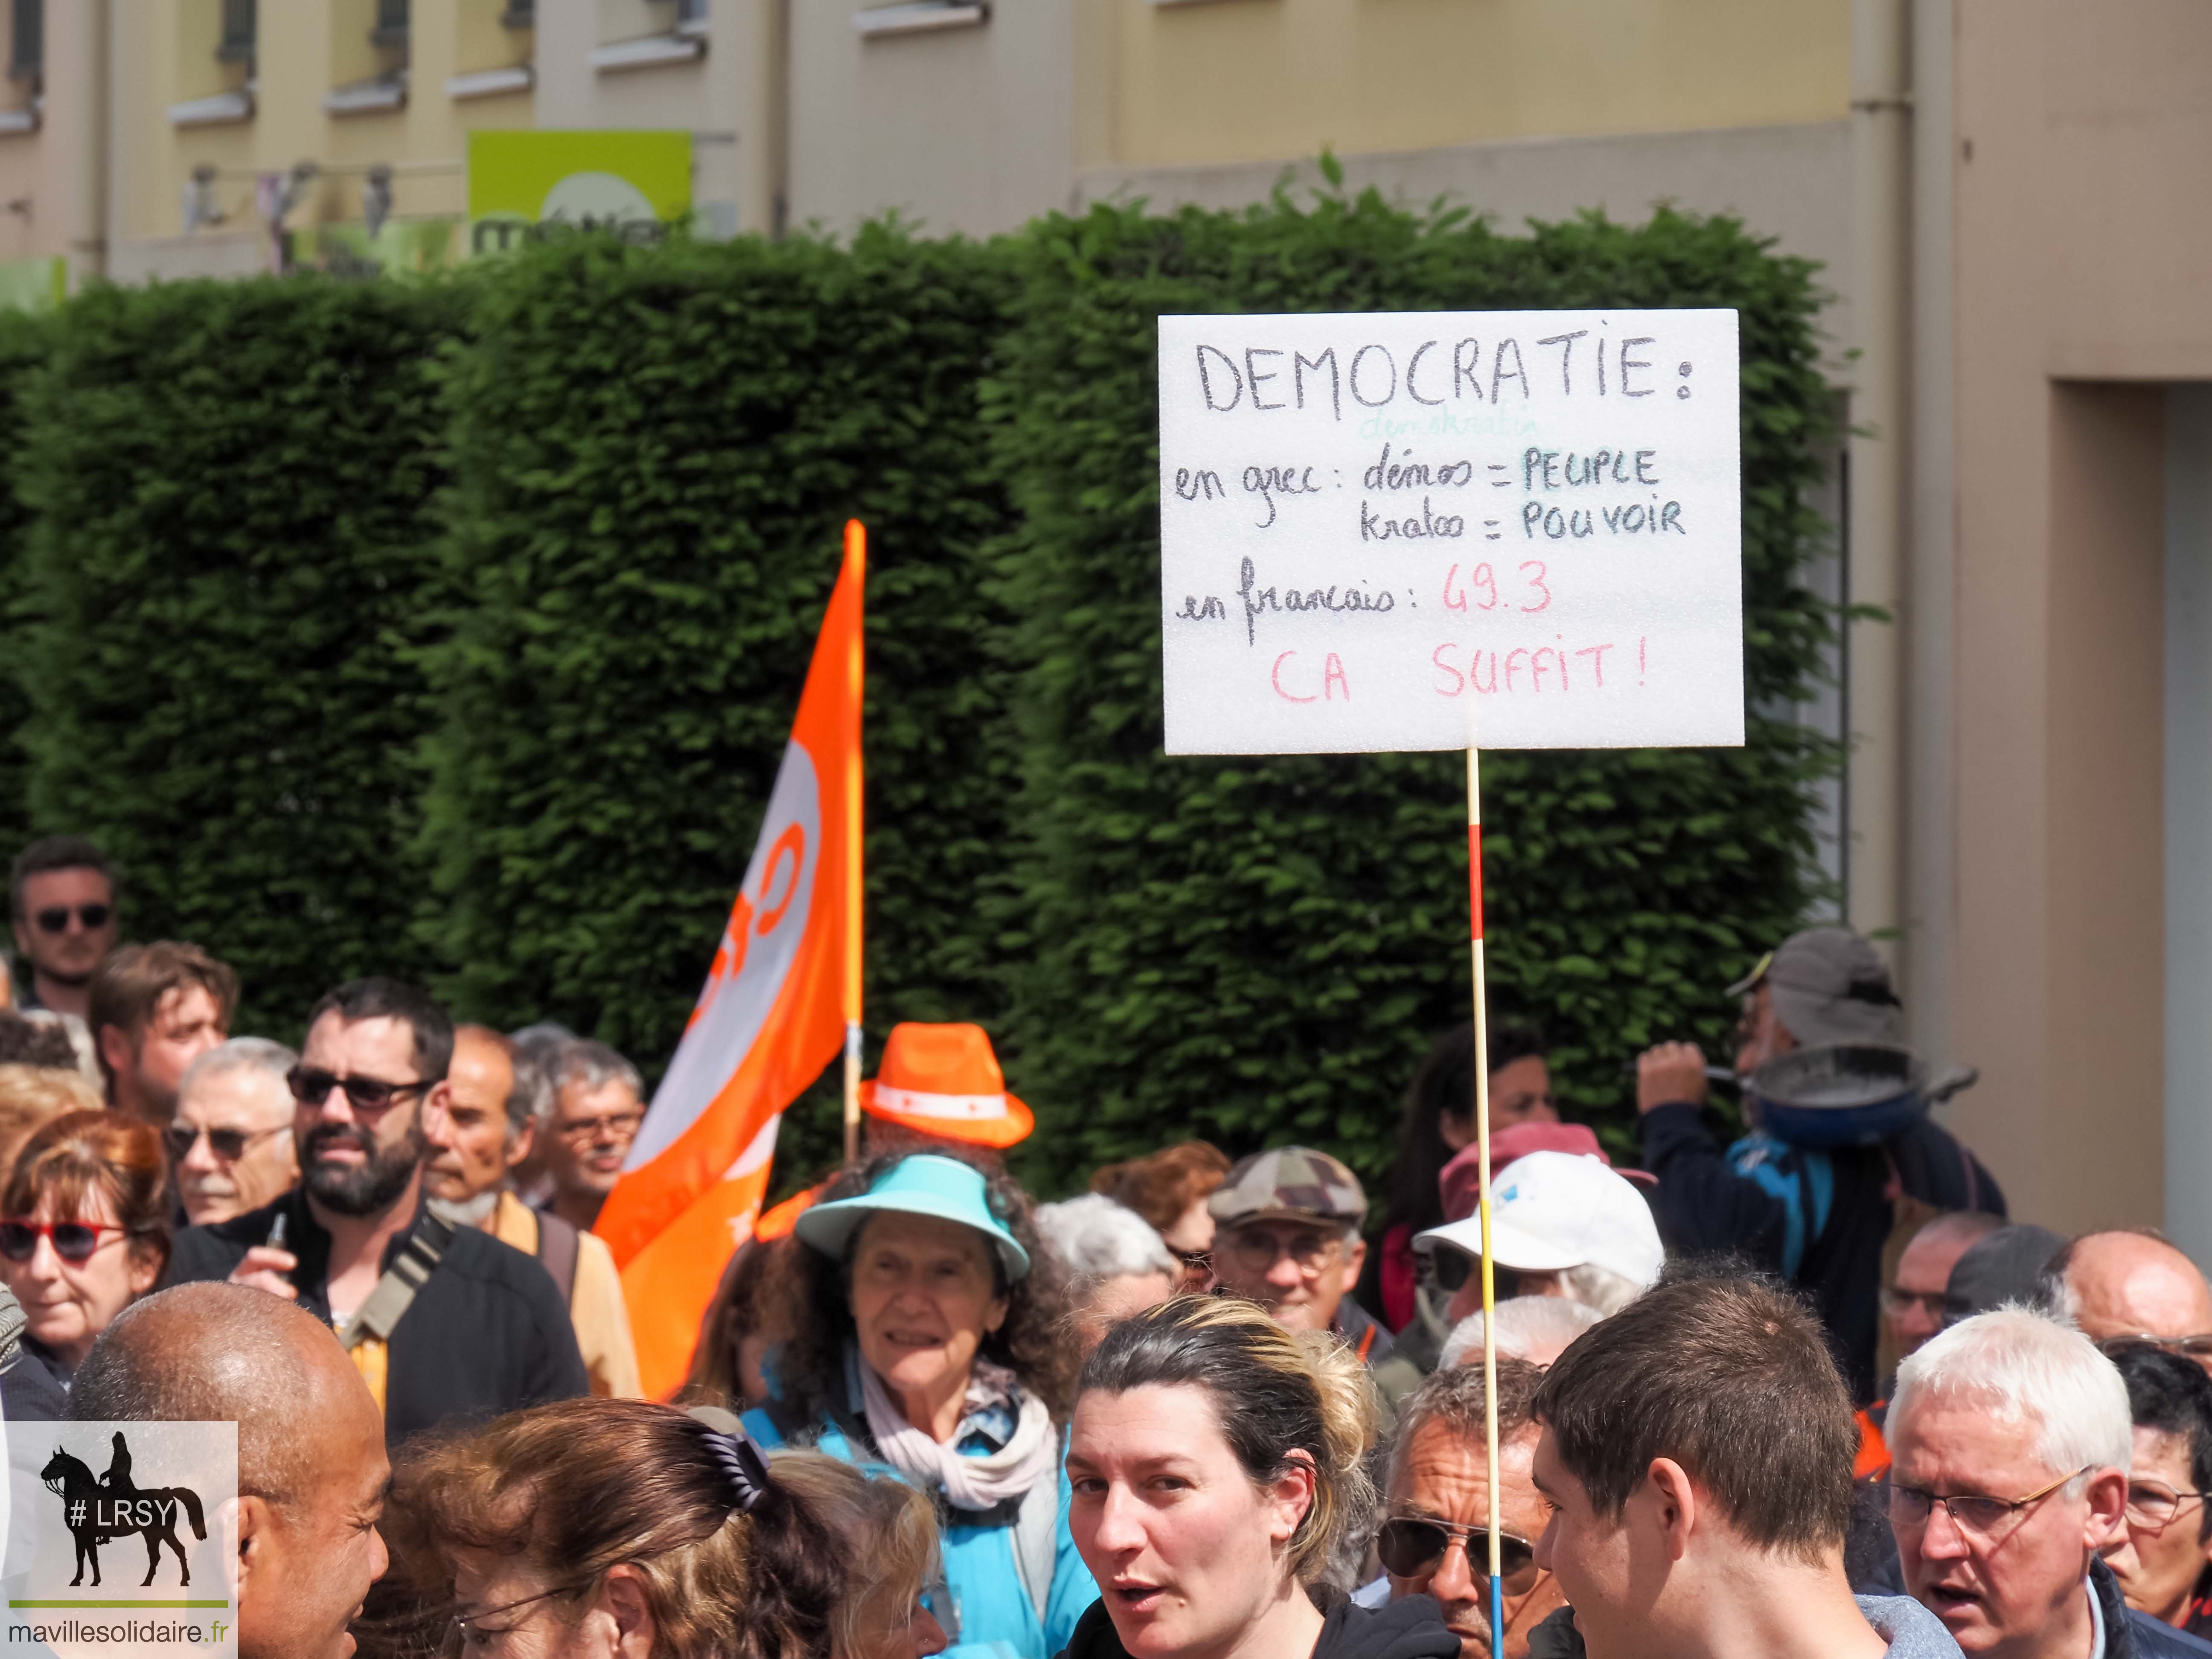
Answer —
(2023, 1367)
(1601, 1288)
(239, 1053)
(1098, 1238)
(1527, 1326)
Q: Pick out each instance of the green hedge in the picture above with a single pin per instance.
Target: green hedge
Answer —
(654, 454)
(22, 346)
(455, 629)
(231, 566)
(1259, 950)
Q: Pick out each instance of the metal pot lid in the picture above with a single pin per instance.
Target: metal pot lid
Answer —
(1838, 1077)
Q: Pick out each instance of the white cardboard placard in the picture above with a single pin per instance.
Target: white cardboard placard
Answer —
(1375, 527)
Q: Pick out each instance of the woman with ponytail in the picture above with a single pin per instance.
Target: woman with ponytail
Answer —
(1218, 1464)
(624, 1529)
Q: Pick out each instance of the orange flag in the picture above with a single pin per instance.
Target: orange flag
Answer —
(774, 1014)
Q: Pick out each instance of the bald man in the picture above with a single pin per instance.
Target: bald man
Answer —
(311, 1472)
(2122, 1285)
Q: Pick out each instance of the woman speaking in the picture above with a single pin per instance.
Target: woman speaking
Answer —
(1217, 1463)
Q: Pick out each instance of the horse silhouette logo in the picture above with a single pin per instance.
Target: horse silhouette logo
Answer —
(101, 1509)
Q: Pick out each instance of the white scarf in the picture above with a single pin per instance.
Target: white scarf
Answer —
(968, 1483)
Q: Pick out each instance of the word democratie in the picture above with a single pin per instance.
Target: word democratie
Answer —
(1368, 522)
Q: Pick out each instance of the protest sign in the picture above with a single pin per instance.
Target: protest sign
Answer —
(121, 1539)
(1374, 524)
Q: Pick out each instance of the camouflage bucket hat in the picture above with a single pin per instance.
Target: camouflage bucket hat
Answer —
(1294, 1182)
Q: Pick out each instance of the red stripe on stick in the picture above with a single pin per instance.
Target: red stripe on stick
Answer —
(1474, 878)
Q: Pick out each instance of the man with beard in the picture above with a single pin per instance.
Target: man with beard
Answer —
(440, 1322)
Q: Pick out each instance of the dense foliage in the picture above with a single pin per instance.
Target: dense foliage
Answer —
(1259, 949)
(231, 564)
(456, 630)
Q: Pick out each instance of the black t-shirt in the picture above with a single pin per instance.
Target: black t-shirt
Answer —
(486, 1333)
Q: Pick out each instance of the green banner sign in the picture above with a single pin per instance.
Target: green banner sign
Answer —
(520, 183)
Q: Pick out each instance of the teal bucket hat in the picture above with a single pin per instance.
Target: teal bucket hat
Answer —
(924, 1184)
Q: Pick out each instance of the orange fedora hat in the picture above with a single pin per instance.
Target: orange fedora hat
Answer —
(944, 1080)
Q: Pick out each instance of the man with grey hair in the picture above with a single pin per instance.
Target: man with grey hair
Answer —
(499, 1099)
(1116, 1264)
(230, 1144)
(2010, 1439)
(312, 1468)
(598, 1101)
(1434, 1534)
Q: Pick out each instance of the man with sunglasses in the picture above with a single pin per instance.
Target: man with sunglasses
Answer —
(62, 898)
(2010, 1442)
(467, 1326)
(1435, 1537)
(1695, 1453)
(2165, 1566)
(230, 1146)
(1287, 1237)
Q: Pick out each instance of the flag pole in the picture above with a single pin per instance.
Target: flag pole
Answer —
(856, 567)
(1482, 1154)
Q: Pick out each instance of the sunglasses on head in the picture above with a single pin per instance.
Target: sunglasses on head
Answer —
(227, 1145)
(1413, 1546)
(312, 1086)
(55, 918)
(73, 1241)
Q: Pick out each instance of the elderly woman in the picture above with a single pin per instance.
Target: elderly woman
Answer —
(928, 1341)
(85, 1232)
(1116, 1264)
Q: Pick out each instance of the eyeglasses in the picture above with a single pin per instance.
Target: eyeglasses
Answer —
(1976, 1517)
(619, 1124)
(55, 918)
(73, 1241)
(465, 1631)
(1413, 1545)
(312, 1086)
(228, 1144)
(1451, 1268)
(2152, 1508)
(1257, 1251)
(1898, 1303)
(2198, 1346)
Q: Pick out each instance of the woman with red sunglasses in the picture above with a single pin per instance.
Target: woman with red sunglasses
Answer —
(84, 1230)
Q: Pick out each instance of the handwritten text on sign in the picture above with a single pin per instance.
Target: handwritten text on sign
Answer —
(1369, 523)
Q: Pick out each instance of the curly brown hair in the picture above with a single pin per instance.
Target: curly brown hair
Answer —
(809, 1367)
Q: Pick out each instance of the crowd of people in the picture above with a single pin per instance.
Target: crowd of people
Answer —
(1794, 1391)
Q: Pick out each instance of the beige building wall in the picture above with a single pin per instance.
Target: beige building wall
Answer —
(2076, 296)
(311, 54)
(53, 143)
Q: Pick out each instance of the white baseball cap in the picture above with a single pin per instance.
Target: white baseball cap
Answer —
(1550, 1210)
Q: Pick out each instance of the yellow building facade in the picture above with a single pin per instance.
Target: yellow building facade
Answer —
(235, 122)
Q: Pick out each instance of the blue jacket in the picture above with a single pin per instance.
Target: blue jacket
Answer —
(998, 1620)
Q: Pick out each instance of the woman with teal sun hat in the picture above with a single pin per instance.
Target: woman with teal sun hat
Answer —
(928, 1339)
